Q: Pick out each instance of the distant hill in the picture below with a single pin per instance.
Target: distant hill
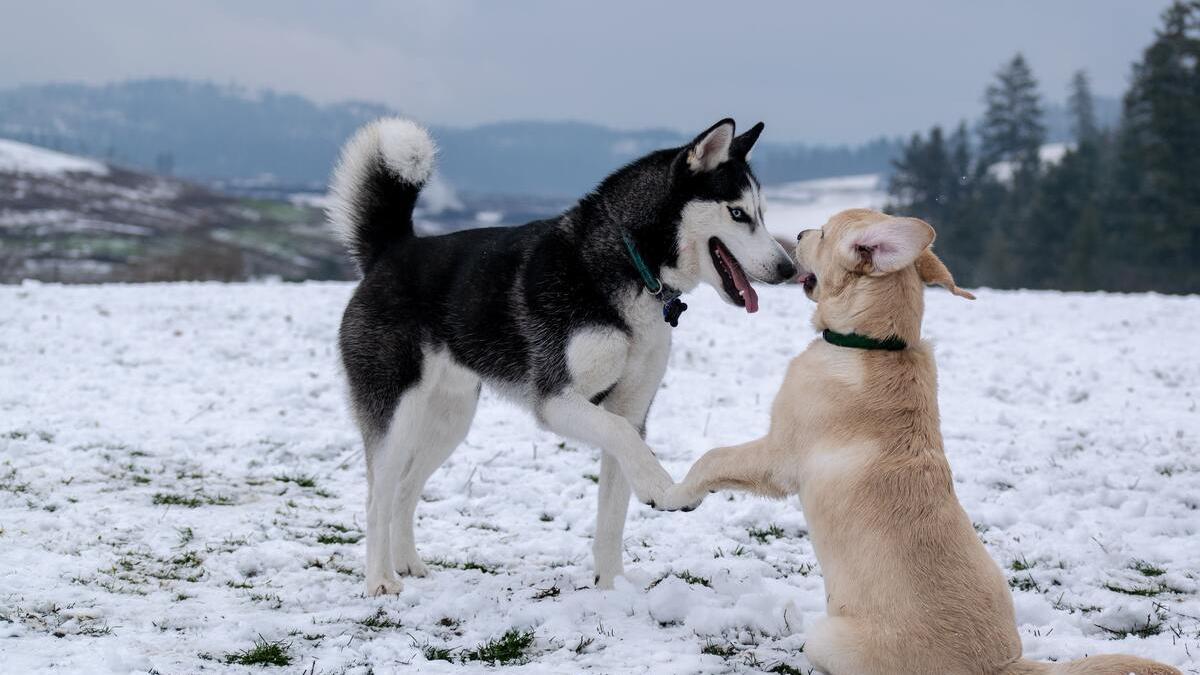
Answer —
(230, 136)
(65, 218)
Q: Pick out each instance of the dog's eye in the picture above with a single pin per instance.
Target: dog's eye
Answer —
(738, 215)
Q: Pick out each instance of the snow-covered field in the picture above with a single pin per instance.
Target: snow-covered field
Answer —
(807, 204)
(179, 479)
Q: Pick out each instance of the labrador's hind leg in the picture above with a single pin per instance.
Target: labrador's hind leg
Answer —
(837, 646)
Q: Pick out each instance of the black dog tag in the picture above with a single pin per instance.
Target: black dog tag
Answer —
(672, 309)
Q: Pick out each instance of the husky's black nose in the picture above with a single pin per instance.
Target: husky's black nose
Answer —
(786, 270)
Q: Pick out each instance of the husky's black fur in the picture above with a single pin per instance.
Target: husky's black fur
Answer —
(505, 301)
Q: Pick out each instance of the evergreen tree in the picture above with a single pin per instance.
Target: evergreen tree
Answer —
(1157, 201)
(1012, 128)
(922, 177)
(1082, 108)
(1012, 131)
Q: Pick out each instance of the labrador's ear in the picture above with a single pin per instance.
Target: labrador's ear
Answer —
(743, 144)
(886, 246)
(711, 148)
(933, 271)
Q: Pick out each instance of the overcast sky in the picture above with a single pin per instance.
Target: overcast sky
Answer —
(814, 71)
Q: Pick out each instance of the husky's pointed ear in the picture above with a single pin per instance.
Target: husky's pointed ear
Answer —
(933, 271)
(711, 148)
(742, 145)
(886, 246)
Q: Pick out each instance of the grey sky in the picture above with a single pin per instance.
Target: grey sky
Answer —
(829, 71)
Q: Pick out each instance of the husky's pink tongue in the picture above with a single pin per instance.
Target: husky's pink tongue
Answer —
(740, 281)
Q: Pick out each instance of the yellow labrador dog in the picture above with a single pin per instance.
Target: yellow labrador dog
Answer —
(855, 433)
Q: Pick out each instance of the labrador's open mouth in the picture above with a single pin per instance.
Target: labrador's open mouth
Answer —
(810, 282)
(733, 278)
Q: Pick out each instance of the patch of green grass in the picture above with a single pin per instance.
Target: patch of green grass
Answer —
(544, 593)
(545, 517)
(188, 559)
(1021, 565)
(723, 650)
(9, 483)
(270, 599)
(336, 538)
(1147, 569)
(737, 552)
(583, 644)
(379, 621)
(685, 576)
(785, 669)
(330, 564)
(51, 619)
(190, 501)
(437, 653)
(761, 534)
(592, 477)
(1144, 592)
(469, 565)
(508, 648)
(301, 480)
(263, 653)
(1025, 583)
(1150, 628)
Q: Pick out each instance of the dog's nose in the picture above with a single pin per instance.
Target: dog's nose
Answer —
(786, 269)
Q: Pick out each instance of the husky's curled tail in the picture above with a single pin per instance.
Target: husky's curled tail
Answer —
(375, 186)
(1106, 664)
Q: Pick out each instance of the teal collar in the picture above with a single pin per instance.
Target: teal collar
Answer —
(856, 341)
(668, 296)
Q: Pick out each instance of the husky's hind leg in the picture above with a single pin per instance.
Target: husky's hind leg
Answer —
(450, 407)
(385, 463)
(430, 420)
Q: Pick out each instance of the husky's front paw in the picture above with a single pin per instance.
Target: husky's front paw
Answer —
(651, 486)
(383, 586)
(681, 497)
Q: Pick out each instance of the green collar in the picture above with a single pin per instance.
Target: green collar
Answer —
(856, 341)
(668, 296)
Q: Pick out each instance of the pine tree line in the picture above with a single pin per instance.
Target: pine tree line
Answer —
(1119, 211)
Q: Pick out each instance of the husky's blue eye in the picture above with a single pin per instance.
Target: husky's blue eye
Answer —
(738, 214)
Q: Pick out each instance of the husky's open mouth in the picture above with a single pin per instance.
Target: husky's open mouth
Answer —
(733, 278)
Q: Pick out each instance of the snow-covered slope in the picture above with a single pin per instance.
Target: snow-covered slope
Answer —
(793, 207)
(22, 158)
(1050, 153)
(178, 477)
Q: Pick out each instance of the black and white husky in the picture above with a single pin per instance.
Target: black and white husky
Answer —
(565, 316)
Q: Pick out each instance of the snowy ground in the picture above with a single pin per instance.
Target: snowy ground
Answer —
(179, 478)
